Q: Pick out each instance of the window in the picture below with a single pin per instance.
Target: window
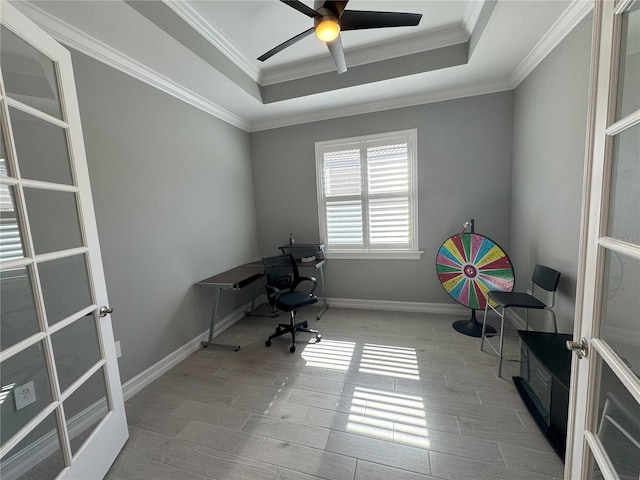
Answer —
(367, 196)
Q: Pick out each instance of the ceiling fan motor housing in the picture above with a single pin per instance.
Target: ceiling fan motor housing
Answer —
(325, 15)
(335, 7)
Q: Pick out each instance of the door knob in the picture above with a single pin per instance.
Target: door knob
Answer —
(104, 311)
(581, 348)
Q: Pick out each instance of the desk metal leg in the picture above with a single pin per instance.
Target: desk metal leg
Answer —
(253, 310)
(210, 343)
(324, 295)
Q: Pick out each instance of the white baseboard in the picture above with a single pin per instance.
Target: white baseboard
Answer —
(389, 305)
(137, 383)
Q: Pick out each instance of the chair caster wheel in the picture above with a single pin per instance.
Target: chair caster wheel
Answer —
(268, 343)
(318, 338)
(278, 329)
(292, 348)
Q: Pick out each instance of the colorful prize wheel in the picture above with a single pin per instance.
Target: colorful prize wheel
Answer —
(468, 266)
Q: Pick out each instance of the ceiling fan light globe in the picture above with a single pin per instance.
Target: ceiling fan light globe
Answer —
(327, 30)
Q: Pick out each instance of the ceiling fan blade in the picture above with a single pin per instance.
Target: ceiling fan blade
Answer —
(284, 45)
(302, 8)
(337, 53)
(360, 19)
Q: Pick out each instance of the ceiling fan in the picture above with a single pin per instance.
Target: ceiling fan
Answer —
(330, 18)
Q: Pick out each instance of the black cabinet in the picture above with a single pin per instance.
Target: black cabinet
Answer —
(543, 383)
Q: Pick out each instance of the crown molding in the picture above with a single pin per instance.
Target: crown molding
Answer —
(569, 19)
(471, 14)
(199, 22)
(441, 38)
(80, 41)
(96, 49)
(390, 104)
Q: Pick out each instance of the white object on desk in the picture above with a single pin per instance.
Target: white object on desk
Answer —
(308, 259)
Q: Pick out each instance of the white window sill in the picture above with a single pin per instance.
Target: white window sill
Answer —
(373, 254)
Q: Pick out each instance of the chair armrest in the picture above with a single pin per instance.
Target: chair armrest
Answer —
(307, 280)
(272, 293)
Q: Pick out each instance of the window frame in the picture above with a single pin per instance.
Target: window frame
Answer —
(410, 137)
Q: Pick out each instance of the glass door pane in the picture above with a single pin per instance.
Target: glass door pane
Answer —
(618, 425)
(37, 456)
(54, 220)
(47, 159)
(85, 408)
(619, 326)
(26, 389)
(629, 68)
(65, 287)
(73, 359)
(29, 76)
(18, 317)
(624, 206)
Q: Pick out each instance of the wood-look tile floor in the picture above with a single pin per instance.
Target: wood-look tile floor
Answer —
(384, 395)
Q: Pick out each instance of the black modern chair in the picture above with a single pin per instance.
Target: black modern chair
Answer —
(543, 277)
(285, 292)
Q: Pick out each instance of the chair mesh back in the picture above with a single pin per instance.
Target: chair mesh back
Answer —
(281, 271)
(546, 278)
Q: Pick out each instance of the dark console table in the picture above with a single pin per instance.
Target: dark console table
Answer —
(543, 383)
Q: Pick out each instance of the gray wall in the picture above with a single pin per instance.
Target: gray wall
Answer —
(550, 118)
(464, 170)
(173, 195)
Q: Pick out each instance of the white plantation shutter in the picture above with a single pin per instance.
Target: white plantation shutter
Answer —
(344, 222)
(366, 193)
(388, 186)
(342, 177)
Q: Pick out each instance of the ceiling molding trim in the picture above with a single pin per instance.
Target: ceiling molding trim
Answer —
(471, 14)
(80, 41)
(441, 38)
(390, 104)
(198, 21)
(569, 19)
(372, 53)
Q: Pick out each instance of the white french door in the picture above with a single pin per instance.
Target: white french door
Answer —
(604, 418)
(61, 407)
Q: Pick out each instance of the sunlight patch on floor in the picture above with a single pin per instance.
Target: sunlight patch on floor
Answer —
(330, 354)
(390, 361)
(389, 416)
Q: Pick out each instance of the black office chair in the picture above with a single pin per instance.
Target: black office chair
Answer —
(282, 285)
(543, 277)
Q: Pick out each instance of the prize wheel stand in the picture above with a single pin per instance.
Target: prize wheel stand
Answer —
(469, 266)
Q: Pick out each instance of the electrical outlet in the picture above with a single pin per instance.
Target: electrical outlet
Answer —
(118, 349)
(24, 395)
